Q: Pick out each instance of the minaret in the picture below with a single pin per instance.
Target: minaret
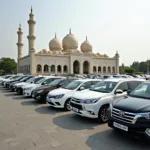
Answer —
(19, 45)
(31, 39)
(117, 62)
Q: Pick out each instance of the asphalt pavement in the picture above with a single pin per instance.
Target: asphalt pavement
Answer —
(28, 125)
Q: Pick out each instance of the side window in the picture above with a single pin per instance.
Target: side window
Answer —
(86, 85)
(132, 85)
(123, 86)
(94, 82)
(65, 82)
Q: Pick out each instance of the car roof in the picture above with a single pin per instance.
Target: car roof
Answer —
(124, 79)
(85, 80)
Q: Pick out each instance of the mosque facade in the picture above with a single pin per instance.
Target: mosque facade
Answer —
(63, 57)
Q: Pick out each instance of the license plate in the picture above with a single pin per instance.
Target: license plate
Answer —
(75, 109)
(120, 126)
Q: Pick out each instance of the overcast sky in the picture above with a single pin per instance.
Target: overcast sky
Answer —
(110, 25)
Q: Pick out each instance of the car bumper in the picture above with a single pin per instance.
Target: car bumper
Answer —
(57, 103)
(27, 93)
(82, 110)
(133, 129)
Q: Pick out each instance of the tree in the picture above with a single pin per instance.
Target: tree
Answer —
(129, 70)
(8, 65)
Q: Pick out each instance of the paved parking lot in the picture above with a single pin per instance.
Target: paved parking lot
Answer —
(28, 125)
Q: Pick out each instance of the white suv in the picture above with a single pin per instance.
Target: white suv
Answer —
(60, 98)
(93, 103)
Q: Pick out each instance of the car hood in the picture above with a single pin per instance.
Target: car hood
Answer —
(88, 94)
(20, 84)
(44, 87)
(133, 104)
(60, 91)
(15, 82)
(33, 85)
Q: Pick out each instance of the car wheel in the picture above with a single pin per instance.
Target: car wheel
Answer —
(103, 115)
(67, 105)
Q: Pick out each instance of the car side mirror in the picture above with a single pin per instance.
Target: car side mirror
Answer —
(43, 83)
(129, 91)
(81, 88)
(58, 86)
(118, 91)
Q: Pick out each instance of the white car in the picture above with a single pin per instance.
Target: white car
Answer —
(28, 89)
(93, 103)
(20, 86)
(60, 98)
(15, 77)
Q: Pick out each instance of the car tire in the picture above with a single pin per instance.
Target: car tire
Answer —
(102, 115)
(43, 100)
(67, 105)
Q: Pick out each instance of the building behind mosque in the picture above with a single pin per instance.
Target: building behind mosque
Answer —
(63, 57)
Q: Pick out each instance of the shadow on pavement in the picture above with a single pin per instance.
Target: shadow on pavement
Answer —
(11, 94)
(48, 110)
(112, 140)
(30, 103)
(75, 122)
(19, 97)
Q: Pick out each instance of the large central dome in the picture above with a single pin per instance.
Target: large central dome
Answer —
(70, 42)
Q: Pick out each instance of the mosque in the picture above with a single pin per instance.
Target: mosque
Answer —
(63, 57)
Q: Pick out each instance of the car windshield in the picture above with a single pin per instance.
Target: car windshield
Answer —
(41, 81)
(104, 87)
(23, 78)
(14, 77)
(30, 80)
(7, 77)
(73, 85)
(55, 82)
(142, 91)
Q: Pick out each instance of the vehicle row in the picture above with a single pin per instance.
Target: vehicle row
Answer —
(122, 102)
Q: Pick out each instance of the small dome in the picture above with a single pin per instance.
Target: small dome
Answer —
(86, 46)
(44, 51)
(70, 42)
(55, 44)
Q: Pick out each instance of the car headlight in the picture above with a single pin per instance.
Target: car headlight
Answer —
(40, 91)
(90, 101)
(29, 88)
(59, 96)
(145, 115)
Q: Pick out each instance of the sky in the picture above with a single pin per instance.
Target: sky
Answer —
(110, 25)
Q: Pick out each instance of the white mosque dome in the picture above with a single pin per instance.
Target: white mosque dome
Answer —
(70, 42)
(86, 46)
(55, 44)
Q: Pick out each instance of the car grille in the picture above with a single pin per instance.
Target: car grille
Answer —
(123, 116)
(76, 100)
(76, 106)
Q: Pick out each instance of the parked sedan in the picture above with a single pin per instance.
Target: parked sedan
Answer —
(40, 93)
(24, 79)
(60, 98)
(28, 90)
(132, 114)
(19, 86)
